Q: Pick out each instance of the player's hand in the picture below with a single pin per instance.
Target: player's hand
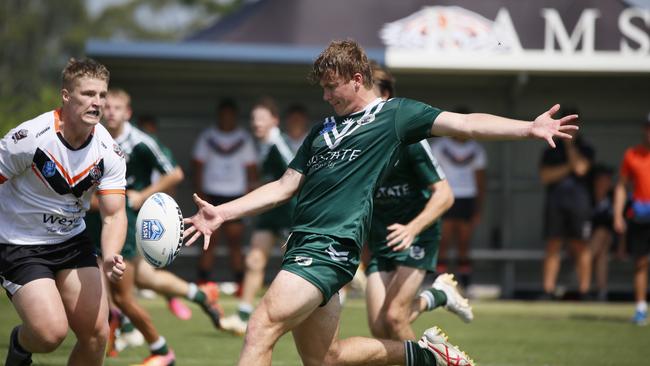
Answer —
(204, 222)
(400, 237)
(545, 127)
(114, 268)
(136, 199)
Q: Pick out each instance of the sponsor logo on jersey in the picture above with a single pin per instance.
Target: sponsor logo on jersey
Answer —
(331, 158)
(152, 229)
(19, 135)
(327, 126)
(42, 131)
(369, 118)
(49, 169)
(303, 261)
(61, 224)
(416, 252)
(118, 150)
(337, 256)
(95, 173)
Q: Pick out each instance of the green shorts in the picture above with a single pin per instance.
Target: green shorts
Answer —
(327, 262)
(94, 231)
(423, 254)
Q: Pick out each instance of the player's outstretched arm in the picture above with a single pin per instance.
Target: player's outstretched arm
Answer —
(400, 237)
(209, 218)
(483, 126)
(113, 213)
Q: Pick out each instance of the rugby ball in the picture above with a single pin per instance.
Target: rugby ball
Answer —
(159, 230)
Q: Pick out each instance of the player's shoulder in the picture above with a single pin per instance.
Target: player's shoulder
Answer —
(27, 133)
(107, 145)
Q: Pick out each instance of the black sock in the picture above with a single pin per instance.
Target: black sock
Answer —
(16, 343)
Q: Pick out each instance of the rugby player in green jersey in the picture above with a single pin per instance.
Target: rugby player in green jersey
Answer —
(335, 174)
(405, 237)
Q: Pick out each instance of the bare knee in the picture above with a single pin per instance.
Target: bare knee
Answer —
(49, 337)
(255, 260)
(333, 356)
(396, 318)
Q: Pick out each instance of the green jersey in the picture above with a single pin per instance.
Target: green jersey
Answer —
(275, 156)
(403, 194)
(345, 158)
(144, 155)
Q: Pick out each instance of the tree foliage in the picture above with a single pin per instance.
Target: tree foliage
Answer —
(37, 37)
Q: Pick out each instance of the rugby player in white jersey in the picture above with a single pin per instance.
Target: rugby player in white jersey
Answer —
(50, 167)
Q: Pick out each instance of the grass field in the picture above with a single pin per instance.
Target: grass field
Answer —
(504, 333)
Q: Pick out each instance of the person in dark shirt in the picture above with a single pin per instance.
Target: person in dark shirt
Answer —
(565, 173)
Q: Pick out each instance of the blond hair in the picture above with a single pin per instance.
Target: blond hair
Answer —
(86, 67)
(343, 58)
(120, 93)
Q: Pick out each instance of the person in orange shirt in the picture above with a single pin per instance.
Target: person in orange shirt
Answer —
(635, 219)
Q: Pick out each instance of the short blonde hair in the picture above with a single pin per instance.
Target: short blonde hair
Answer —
(344, 58)
(120, 93)
(86, 67)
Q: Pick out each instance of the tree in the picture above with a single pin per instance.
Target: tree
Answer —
(37, 37)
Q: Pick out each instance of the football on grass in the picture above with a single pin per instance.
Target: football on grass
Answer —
(159, 230)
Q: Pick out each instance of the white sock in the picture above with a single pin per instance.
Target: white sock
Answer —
(192, 290)
(160, 343)
(642, 306)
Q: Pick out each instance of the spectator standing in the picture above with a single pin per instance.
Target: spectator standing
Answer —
(602, 235)
(225, 166)
(564, 171)
(635, 220)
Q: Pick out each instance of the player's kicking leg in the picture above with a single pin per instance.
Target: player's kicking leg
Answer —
(316, 332)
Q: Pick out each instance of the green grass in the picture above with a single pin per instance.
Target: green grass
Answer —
(503, 333)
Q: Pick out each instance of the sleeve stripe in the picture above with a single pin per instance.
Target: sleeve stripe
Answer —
(160, 156)
(111, 191)
(434, 162)
(2, 179)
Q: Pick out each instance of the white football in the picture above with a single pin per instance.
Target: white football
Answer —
(159, 230)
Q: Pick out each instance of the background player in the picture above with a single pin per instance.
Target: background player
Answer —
(404, 237)
(275, 155)
(335, 173)
(50, 167)
(225, 167)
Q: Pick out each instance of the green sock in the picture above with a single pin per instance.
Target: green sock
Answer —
(244, 315)
(434, 298)
(159, 347)
(200, 297)
(126, 326)
(244, 310)
(417, 356)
